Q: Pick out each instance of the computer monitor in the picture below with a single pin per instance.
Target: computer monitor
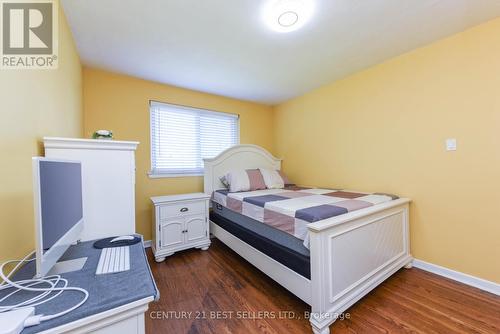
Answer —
(57, 190)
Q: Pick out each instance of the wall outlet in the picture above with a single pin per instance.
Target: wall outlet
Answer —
(451, 144)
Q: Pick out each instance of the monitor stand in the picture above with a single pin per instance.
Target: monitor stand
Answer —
(68, 266)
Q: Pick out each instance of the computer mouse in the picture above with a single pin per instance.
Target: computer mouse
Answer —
(122, 238)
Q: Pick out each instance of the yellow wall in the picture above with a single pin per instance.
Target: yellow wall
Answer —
(33, 104)
(384, 129)
(121, 103)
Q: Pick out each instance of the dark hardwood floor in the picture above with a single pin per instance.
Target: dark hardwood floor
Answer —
(217, 291)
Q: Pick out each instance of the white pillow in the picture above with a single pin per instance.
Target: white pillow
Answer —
(238, 180)
(272, 179)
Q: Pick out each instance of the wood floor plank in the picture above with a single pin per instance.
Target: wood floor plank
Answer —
(477, 318)
(217, 291)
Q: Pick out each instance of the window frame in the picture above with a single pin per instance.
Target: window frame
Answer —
(153, 173)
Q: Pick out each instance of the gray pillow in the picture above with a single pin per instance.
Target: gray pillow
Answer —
(224, 182)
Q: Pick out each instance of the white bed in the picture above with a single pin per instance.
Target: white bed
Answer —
(340, 276)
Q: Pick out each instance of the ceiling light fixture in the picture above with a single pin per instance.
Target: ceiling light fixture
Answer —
(288, 19)
(287, 15)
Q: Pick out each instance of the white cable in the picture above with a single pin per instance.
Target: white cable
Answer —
(43, 297)
(25, 259)
(33, 301)
(51, 282)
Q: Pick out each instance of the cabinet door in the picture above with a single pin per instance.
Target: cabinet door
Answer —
(196, 228)
(171, 233)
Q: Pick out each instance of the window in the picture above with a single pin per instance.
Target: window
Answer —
(181, 137)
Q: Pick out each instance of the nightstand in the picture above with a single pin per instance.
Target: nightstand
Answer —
(180, 222)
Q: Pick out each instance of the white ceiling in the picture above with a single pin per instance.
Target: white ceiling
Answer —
(223, 47)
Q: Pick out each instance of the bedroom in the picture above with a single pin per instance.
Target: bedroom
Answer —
(388, 97)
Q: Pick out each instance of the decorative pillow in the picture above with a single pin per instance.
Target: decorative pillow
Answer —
(256, 179)
(245, 180)
(272, 178)
(224, 182)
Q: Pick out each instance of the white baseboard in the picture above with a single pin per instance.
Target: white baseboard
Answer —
(476, 282)
(147, 243)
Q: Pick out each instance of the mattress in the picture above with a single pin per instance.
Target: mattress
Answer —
(291, 209)
(279, 245)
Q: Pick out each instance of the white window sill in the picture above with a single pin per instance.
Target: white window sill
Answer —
(166, 175)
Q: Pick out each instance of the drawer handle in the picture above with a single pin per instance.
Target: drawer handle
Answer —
(185, 231)
(184, 209)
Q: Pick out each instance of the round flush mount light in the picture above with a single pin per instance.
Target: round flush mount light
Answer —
(288, 19)
(287, 15)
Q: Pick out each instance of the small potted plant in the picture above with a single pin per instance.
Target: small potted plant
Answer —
(103, 134)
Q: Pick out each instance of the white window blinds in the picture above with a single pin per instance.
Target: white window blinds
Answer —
(181, 137)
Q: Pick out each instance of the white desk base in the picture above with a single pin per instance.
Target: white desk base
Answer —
(125, 319)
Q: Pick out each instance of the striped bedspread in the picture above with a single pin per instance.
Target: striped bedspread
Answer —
(292, 208)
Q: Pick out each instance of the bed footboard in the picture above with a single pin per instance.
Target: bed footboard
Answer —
(352, 254)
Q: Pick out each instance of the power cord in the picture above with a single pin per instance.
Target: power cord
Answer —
(54, 286)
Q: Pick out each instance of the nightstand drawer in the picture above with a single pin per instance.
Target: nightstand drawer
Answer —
(182, 209)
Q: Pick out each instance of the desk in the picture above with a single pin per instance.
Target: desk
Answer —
(117, 302)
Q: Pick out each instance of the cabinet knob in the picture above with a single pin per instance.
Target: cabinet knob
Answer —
(184, 209)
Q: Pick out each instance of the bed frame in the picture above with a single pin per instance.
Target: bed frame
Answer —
(350, 254)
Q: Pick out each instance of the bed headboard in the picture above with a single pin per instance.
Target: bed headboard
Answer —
(236, 157)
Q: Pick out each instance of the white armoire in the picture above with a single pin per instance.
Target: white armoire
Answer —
(108, 173)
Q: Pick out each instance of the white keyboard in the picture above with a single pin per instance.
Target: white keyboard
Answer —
(113, 260)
